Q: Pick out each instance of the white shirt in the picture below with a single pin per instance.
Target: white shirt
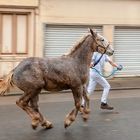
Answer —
(96, 56)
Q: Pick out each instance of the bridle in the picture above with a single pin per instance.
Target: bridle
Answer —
(101, 46)
(97, 44)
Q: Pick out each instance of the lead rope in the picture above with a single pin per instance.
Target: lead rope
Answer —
(112, 73)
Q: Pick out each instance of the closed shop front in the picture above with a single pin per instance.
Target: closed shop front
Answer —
(127, 50)
(59, 39)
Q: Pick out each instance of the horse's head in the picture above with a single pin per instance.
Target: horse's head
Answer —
(102, 45)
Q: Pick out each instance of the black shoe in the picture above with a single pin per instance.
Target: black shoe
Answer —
(106, 106)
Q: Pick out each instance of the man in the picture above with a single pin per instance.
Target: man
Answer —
(95, 77)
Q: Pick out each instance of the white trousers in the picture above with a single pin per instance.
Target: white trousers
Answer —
(93, 80)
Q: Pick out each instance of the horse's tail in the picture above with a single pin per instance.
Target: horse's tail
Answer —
(6, 83)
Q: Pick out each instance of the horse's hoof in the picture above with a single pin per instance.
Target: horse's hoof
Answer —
(81, 109)
(87, 111)
(34, 127)
(35, 124)
(47, 125)
(67, 123)
(85, 117)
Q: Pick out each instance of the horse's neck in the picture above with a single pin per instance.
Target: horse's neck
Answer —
(84, 53)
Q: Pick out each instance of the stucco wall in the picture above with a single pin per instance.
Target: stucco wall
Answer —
(32, 3)
(90, 11)
(28, 8)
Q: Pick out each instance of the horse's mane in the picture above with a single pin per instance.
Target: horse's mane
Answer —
(77, 45)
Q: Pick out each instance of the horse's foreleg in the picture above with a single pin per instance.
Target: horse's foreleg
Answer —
(86, 98)
(72, 115)
(70, 118)
(85, 111)
(44, 122)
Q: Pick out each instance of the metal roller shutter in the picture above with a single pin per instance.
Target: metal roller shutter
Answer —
(59, 39)
(127, 50)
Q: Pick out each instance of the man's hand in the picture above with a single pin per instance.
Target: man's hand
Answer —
(91, 64)
(119, 67)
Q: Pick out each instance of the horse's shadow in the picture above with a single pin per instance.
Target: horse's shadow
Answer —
(109, 112)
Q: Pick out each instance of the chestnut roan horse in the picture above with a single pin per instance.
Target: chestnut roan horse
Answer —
(69, 71)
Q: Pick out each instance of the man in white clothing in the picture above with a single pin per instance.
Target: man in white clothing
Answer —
(95, 77)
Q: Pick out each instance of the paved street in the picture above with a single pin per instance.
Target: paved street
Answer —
(120, 124)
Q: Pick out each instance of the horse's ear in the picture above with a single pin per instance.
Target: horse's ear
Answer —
(92, 32)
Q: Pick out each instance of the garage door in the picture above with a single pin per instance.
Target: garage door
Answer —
(59, 39)
(127, 50)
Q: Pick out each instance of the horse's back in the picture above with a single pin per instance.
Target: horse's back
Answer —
(28, 74)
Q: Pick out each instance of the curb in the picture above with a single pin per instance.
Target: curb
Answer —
(69, 91)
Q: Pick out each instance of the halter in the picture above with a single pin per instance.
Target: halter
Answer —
(98, 45)
(94, 38)
(105, 49)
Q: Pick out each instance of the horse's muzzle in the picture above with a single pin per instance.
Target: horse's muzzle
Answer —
(109, 53)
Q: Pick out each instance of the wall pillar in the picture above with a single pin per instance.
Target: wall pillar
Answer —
(108, 33)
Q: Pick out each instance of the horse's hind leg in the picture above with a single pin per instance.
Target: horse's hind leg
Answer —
(23, 103)
(44, 122)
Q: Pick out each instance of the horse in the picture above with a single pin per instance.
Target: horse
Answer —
(69, 71)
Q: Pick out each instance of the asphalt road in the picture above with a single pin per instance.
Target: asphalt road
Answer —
(120, 124)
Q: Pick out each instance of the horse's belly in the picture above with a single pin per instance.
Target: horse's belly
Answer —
(51, 86)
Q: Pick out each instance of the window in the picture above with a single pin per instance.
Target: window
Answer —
(13, 33)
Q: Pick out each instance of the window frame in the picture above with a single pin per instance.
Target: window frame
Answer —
(14, 32)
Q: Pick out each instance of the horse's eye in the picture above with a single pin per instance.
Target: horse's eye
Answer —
(102, 39)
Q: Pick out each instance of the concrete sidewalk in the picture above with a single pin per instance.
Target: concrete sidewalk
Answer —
(116, 84)
(125, 83)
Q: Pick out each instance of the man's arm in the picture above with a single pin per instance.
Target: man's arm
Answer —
(119, 67)
(113, 63)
